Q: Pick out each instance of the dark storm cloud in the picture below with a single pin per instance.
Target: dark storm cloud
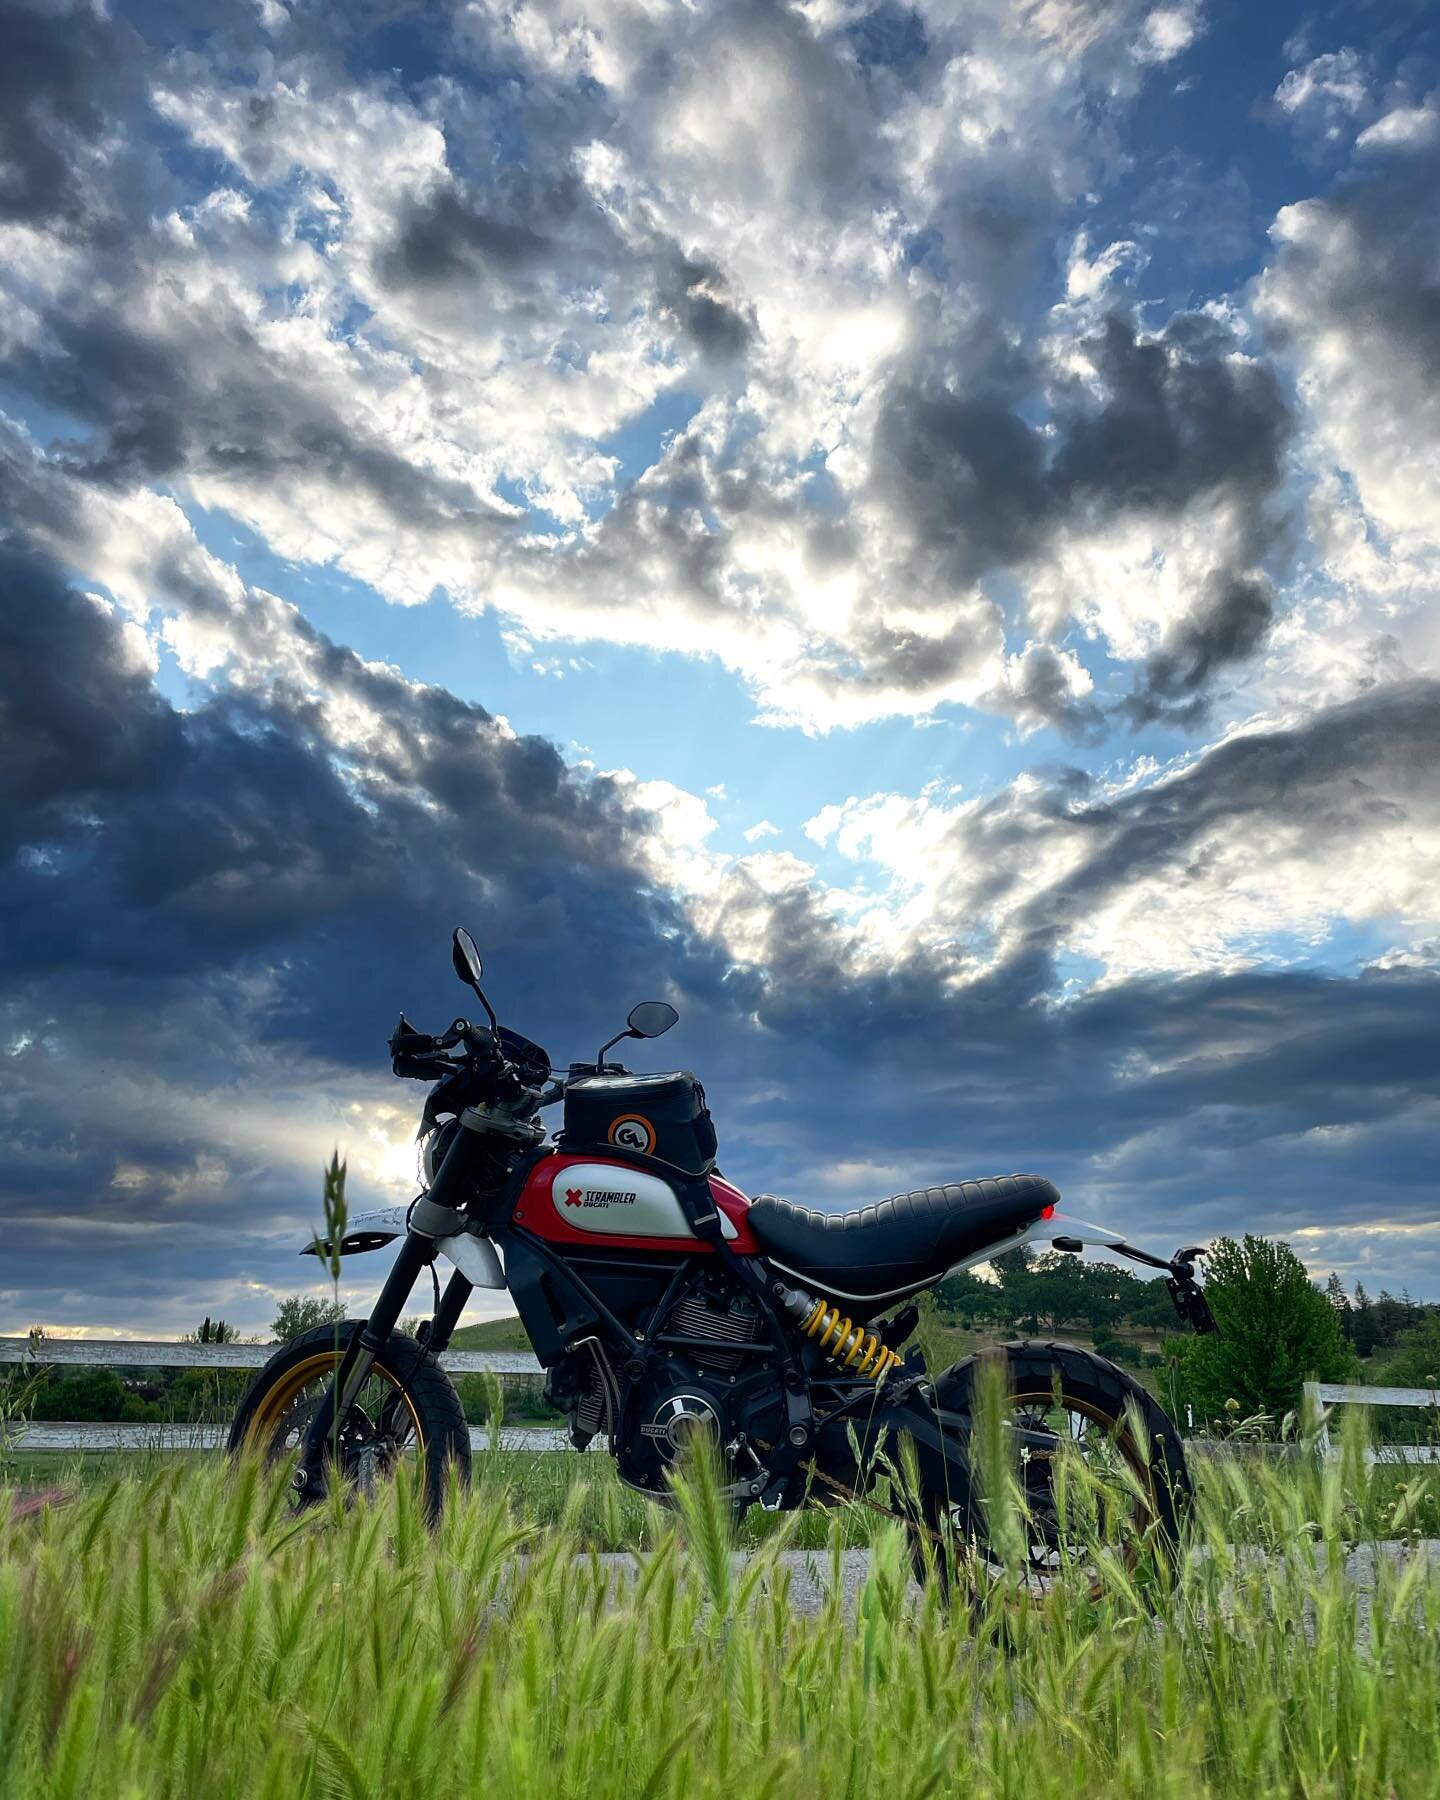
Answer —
(1372, 270)
(1269, 1100)
(889, 37)
(1227, 626)
(240, 826)
(697, 295)
(968, 474)
(1214, 1103)
(1325, 778)
(227, 902)
(201, 397)
(1164, 423)
(62, 70)
(1041, 694)
(524, 225)
(1180, 416)
(76, 719)
(193, 903)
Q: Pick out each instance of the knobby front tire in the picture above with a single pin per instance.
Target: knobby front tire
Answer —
(408, 1413)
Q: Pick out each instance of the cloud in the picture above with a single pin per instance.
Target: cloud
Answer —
(802, 340)
(65, 67)
(1350, 295)
(211, 916)
(399, 324)
(1328, 94)
(1227, 627)
(1152, 432)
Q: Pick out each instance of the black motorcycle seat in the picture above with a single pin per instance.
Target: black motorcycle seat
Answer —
(902, 1243)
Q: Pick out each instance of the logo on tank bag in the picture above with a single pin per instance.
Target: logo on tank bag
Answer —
(632, 1131)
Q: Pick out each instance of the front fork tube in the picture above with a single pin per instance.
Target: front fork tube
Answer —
(353, 1371)
(458, 1289)
(452, 1182)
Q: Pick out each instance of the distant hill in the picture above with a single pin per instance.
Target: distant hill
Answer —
(491, 1334)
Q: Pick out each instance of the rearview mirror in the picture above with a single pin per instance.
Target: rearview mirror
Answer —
(466, 958)
(651, 1018)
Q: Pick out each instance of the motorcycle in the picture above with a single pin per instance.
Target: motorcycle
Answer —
(665, 1305)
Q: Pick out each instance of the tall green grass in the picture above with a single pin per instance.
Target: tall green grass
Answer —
(179, 1633)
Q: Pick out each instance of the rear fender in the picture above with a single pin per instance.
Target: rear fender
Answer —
(1063, 1232)
(1045, 1231)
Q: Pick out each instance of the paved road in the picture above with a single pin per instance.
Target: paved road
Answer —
(46, 1434)
(810, 1573)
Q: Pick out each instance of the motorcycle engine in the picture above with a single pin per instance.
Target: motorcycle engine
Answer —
(674, 1394)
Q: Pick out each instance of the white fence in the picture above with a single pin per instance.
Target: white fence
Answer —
(129, 1353)
(1320, 1394)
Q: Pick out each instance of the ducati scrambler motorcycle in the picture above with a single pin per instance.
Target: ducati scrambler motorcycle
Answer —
(663, 1303)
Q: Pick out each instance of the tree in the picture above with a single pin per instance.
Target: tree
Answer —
(1276, 1330)
(966, 1298)
(1391, 1317)
(1416, 1362)
(212, 1331)
(1364, 1331)
(1340, 1300)
(83, 1394)
(1151, 1307)
(302, 1312)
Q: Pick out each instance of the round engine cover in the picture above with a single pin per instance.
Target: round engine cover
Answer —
(659, 1422)
(679, 1419)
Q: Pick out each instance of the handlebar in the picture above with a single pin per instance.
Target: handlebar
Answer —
(421, 1054)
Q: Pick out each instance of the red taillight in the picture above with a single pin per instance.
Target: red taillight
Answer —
(1047, 1212)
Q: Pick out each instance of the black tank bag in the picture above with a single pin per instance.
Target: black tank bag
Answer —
(660, 1116)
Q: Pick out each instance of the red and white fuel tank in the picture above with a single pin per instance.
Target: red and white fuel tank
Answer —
(591, 1200)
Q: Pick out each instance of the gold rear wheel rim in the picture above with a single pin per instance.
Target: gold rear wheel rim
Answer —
(1146, 1513)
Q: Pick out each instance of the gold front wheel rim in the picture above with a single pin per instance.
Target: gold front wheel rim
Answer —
(278, 1399)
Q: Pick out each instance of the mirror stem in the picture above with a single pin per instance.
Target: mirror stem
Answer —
(600, 1053)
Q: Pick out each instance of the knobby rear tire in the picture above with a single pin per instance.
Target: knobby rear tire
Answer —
(435, 1414)
(1107, 1395)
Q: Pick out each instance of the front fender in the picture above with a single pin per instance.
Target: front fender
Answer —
(366, 1231)
(473, 1255)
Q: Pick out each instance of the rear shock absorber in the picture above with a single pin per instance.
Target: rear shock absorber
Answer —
(844, 1342)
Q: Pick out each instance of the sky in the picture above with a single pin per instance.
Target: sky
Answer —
(910, 532)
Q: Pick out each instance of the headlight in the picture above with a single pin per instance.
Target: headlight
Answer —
(433, 1148)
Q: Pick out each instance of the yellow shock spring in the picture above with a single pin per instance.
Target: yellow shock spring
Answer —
(847, 1343)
